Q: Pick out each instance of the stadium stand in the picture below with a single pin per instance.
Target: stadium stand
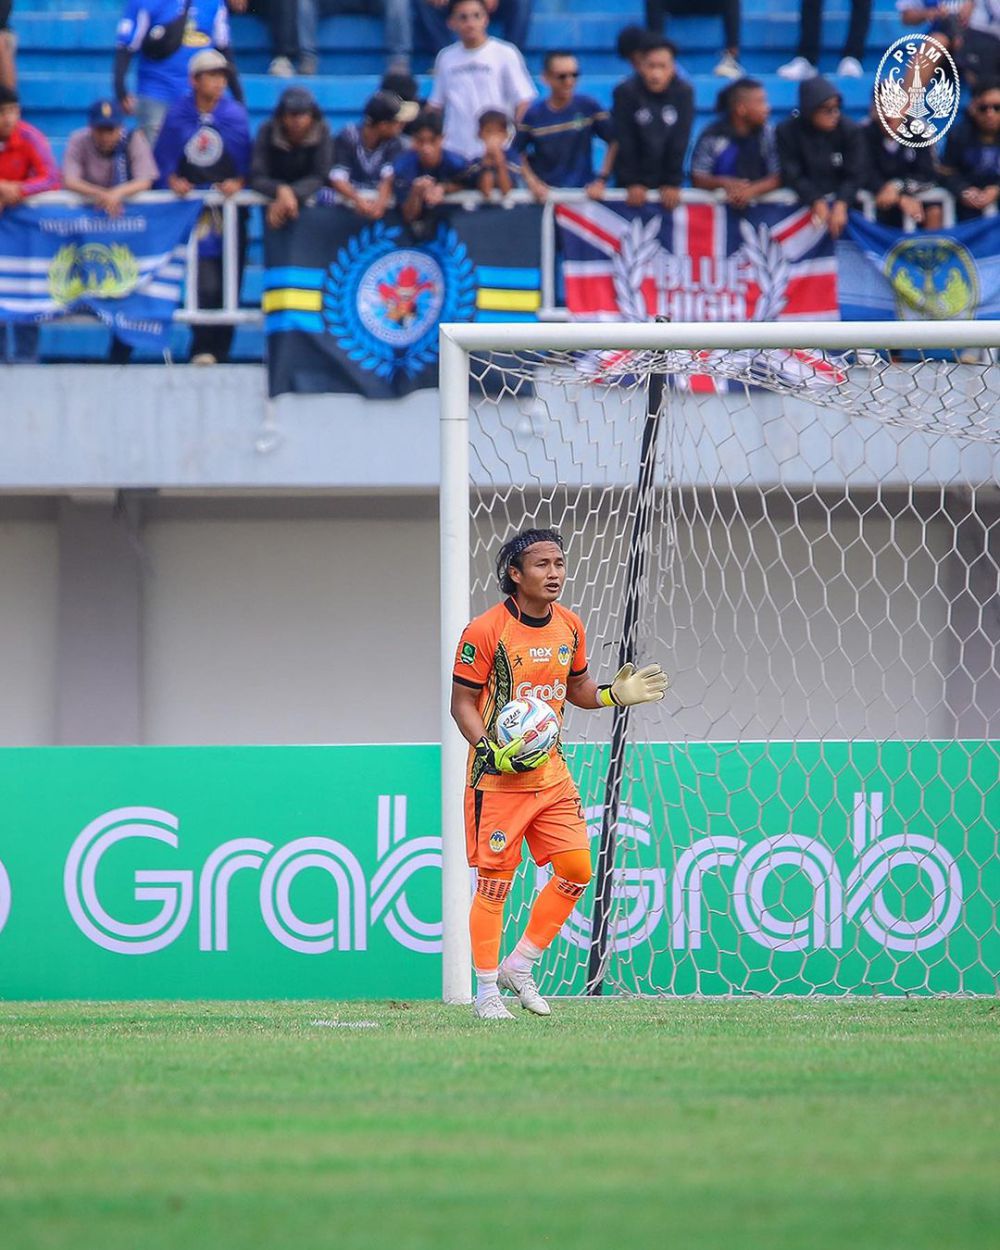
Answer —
(65, 62)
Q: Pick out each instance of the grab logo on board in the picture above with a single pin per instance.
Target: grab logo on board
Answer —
(644, 897)
(359, 903)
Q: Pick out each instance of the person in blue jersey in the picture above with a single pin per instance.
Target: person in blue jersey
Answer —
(205, 142)
(425, 173)
(738, 154)
(555, 136)
(971, 160)
(163, 36)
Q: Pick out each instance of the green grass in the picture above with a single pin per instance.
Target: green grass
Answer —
(671, 1124)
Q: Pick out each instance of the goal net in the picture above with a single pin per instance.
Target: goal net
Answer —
(802, 525)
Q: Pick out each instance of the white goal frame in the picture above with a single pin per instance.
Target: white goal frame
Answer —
(457, 341)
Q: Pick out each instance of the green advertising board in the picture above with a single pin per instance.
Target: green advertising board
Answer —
(271, 872)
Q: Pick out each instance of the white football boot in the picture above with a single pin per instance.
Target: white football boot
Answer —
(492, 1008)
(523, 985)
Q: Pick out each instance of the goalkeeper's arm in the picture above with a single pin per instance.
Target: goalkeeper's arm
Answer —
(630, 686)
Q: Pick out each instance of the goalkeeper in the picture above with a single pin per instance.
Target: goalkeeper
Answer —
(527, 645)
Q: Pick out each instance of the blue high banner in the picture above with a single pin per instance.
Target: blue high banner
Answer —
(355, 305)
(128, 270)
(951, 274)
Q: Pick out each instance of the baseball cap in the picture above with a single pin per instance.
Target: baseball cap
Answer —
(405, 86)
(206, 61)
(384, 106)
(297, 100)
(105, 114)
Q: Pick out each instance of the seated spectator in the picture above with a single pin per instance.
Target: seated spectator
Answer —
(821, 154)
(728, 65)
(165, 35)
(363, 156)
(497, 169)
(896, 175)
(205, 142)
(292, 156)
(434, 30)
(105, 164)
(739, 153)
(803, 64)
(26, 169)
(556, 135)
(398, 28)
(426, 172)
(474, 74)
(971, 162)
(978, 42)
(8, 71)
(653, 111)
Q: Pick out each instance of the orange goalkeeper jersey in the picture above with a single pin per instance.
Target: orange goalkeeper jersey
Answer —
(506, 655)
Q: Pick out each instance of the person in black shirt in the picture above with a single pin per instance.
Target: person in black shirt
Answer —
(821, 156)
(739, 153)
(971, 162)
(292, 156)
(896, 174)
(363, 155)
(652, 116)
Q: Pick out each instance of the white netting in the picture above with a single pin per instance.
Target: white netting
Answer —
(813, 808)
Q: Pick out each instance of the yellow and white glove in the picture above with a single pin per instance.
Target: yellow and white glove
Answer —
(632, 686)
(496, 759)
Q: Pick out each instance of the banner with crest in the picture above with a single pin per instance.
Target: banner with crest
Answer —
(56, 260)
(354, 305)
(951, 274)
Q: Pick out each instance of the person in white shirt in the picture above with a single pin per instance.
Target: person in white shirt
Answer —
(476, 74)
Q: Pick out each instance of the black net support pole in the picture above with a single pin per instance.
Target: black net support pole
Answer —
(637, 553)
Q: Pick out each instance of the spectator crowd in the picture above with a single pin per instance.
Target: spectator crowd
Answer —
(485, 127)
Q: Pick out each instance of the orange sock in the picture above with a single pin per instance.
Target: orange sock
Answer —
(553, 906)
(486, 922)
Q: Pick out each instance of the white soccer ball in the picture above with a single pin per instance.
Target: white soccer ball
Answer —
(531, 719)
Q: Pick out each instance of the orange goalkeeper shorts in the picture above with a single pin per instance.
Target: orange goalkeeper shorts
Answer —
(498, 821)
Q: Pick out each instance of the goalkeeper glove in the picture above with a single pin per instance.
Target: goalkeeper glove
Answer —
(497, 759)
(631, 686)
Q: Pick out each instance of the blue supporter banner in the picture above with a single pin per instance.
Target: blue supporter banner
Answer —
(57, 260)
(951, 274)
(353, 305)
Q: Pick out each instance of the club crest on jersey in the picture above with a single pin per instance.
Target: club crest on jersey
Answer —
(563, 655)
(498, 840)
(468, 655)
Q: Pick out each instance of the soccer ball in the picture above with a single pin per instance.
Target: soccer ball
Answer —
(531, 719)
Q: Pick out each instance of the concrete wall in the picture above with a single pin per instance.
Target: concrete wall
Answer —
(29, 580)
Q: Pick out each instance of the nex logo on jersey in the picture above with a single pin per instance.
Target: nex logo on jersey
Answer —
(540, 653)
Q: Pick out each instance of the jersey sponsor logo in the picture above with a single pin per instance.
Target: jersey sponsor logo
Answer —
(540, 653)
(564, 655)
(498, 840)
(669, 115)
(554, 691)
(468, 654)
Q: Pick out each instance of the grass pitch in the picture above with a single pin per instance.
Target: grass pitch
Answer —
(671, 1124)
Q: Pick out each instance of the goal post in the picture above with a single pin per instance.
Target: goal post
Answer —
(818, 566)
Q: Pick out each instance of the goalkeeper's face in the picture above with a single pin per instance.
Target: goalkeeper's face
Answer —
(542, 573)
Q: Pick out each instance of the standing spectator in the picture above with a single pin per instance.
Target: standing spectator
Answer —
(556, 135)
(821, 155)
(728, 65)
(631, 44)
(739, 153)
(496, 169)
(426, 172)
(292, 156)
(476, 73)
(205, 142)
(282, 17)
(363, 157)
(896, 175)
(971, 163)
(398, 28)
(165, 35)
(26, 169)
(803, 64)
(432, 21)
(8, 71)
(653, 112)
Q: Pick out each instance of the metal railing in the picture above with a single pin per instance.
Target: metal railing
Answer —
(232, 313)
